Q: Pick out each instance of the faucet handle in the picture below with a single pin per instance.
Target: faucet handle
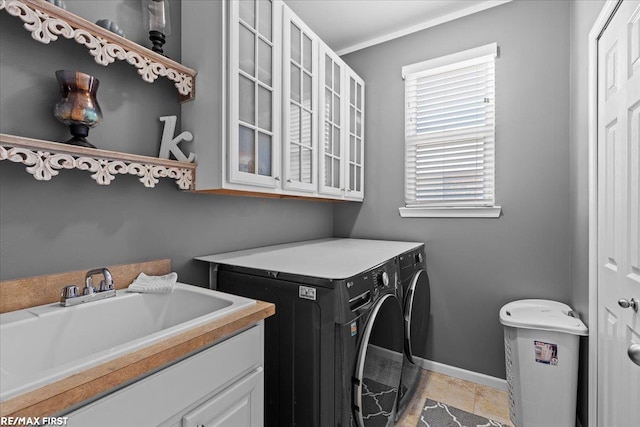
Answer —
(105, 285)
(88, 289)
(70, 291)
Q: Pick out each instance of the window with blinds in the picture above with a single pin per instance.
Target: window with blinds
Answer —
(449, 130)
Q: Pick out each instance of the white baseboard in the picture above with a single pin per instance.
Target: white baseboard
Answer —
(464, 374)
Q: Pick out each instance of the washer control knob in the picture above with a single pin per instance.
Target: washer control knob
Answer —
(419, 258)
(384, 279)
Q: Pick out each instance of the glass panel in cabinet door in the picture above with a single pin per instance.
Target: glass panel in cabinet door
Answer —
(265, 70)
(295, 83)
(336, 78)
(328, 111)
(352, 172)
(359, 150)
(327, 137)
(247, 100)
(264, 154)
(307, 53)
(336, 173)
(264, 19)
(295, 44)
(246, 150)
(264, 108)
(306, 90)
(336, 141)
(305, 129)
(336, 110)
(294, 162)
(327, 171)
(306, 171)
(352, 91)
(358, 178)
(306, 150)
(247, 50)
(358, 123)
(294, 123)
(352, 119)
(248, 12)
(359, 96)
(352, 148)
(328, 72)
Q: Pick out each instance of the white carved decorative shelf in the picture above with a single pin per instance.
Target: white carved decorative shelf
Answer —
(46, 22)
(44, 159)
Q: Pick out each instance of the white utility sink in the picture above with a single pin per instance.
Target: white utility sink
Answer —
(43, 344)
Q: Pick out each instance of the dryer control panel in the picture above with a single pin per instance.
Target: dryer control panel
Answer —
(364, 289)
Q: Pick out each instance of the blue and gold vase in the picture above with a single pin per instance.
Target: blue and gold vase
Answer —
(78, 106)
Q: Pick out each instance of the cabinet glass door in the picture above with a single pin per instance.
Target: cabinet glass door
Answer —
(300, 111)
(254, 92)
(332, 123)
(355, 156)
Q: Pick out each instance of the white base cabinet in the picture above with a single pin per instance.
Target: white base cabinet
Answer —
(220, 386)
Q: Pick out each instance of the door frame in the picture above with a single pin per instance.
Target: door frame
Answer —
(607, 12)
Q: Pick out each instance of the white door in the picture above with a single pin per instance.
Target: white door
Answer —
(618, 182)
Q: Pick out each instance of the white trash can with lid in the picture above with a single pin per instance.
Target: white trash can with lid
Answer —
(541, 343)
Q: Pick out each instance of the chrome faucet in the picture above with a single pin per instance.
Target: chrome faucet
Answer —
(106, 284)
(71, 294)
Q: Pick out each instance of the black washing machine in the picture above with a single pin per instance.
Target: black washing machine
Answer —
(415, 296)
(333, 349)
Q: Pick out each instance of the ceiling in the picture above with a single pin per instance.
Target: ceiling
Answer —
(350, 25)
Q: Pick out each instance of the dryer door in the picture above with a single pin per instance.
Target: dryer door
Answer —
(417, 309)
(379, 365)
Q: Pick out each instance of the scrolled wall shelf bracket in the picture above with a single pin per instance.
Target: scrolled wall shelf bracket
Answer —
(46, 22)
(44, 160)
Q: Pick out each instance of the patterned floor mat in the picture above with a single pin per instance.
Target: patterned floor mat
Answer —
(436, 414)
(375, 398)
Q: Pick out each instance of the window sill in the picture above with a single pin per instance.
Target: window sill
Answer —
(457, 212)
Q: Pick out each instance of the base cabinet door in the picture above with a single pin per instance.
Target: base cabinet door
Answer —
(239, 406)
(221, 374)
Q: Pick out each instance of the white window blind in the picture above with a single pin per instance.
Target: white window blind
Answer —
(449, 130)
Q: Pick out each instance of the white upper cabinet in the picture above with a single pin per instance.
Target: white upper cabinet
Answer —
(300, 105)
(354, 162)
(275, 112)
(332, 123)
(254, 92)
(341, 128)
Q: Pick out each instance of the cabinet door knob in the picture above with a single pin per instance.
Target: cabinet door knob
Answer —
(277, 178)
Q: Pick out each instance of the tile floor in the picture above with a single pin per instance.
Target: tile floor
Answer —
(471, 397)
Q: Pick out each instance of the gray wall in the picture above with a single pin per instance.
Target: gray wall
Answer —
(583, 16)
(538, 248)
(72, 223)
(477, 265)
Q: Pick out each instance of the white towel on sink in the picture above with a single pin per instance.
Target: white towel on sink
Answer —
(154, 284)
